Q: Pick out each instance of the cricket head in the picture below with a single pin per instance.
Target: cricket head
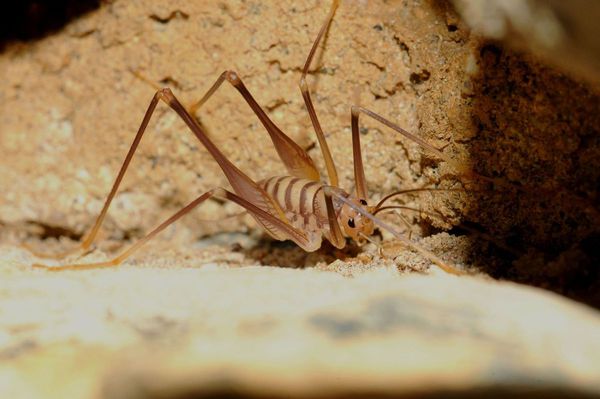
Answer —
(354, 224)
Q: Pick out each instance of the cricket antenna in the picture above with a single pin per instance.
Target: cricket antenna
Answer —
(380, 223)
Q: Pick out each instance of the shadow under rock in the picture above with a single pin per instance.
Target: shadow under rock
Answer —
(539, 131)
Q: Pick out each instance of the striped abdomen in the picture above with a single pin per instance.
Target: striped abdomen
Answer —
(301, 200)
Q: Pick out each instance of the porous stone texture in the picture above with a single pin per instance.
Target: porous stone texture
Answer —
(146, 331)
(71, 105)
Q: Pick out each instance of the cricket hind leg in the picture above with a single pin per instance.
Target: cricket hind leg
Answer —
(228, 195)
(92, 234)
(248, 193)
(166, 96)
(296, 160)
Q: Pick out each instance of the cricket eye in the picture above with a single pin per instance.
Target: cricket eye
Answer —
(351, 223)
(363, 202)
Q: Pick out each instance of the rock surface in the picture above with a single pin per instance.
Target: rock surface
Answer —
(565, 33)
(71, 105)
(193, 313)
(177, 331)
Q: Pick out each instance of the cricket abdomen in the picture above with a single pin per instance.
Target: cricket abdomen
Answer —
(302, 201)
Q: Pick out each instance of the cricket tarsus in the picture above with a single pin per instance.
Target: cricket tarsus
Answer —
(297, 207)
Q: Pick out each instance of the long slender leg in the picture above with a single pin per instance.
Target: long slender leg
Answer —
(91, 236)
(295, 159)
(357, 110)
(253, 209)
(361, 185)
(336, 237)
(245, 187)
(242, 184)
(359, 171)
(469, 173)
(331, 171)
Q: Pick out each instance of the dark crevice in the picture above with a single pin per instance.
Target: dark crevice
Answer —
(22, 21)
(403, 46)
(549, 213)
(381, 68)
(276, 104)
(48, 231)
(171, 82)
(176, 14)
(420, 77)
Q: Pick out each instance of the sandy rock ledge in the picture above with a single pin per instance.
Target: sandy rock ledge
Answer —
(140, 332)
(193, 314)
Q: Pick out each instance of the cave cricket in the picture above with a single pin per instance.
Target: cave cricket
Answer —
(300, 206)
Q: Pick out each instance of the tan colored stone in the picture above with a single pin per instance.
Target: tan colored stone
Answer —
(70, 107)
(564, 33)
(148, 331)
